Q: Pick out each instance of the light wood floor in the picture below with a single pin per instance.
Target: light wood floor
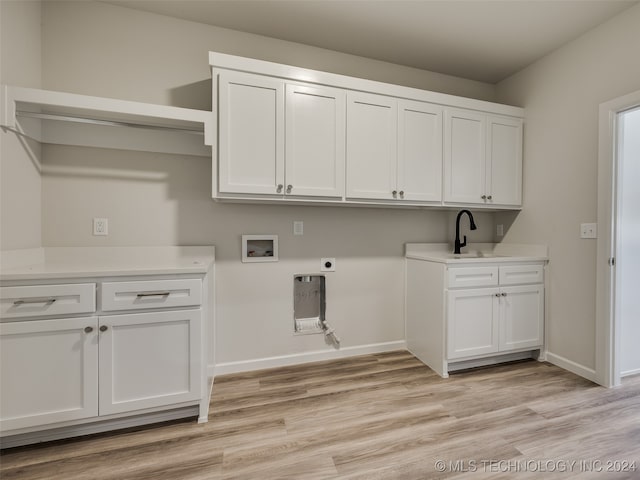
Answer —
(381, 416)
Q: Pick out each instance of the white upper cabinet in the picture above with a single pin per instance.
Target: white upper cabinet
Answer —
(251, 129)
(483, 159)
(394, 149)
(315, 141)
(464, 153)
(419, 151)
(288, 134)
(371, 146)
(279, 139)
(504, 156)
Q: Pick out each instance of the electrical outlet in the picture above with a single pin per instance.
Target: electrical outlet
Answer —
(101, 226)
(327, 264)
(298, 228)
(588, 230)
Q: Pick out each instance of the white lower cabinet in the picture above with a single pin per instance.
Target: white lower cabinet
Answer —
(494, 320)
(49, 371)
(522, 317)
(149, 360)
(64, 371)
(498, 319)
(472, 322)
(467, 314)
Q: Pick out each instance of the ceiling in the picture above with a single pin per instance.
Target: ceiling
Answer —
(485, 40)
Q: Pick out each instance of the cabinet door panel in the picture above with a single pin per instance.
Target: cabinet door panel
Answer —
(473, 322)
(149, 360)
(464, 164)
(522, 325)
(420, 151)
(371, 146)
(251, 137)
(315, 141)
(504, 161)
(49, 371)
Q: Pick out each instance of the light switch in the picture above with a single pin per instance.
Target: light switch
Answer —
(298, 228)
(588, 230)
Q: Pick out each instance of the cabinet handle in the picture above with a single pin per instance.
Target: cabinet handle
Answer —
(497, 294)
(489, 197)
(484, 197)
(279, 189)
(504, 294)
(47, 300)
(289, 187)
(394, 193)
(88, 329)
(103, 328)
(402, 193)
(153, 294)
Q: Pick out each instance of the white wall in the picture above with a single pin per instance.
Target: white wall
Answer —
(153, 199)
(561, 94)
(20, 64)
(629, 254)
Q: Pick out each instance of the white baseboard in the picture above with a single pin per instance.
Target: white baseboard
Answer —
(573, 367)
(307, 357)
(628, 373)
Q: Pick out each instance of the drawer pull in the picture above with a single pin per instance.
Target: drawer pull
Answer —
(103, 328)
(153, 294)
(48, 301)
(88, 329)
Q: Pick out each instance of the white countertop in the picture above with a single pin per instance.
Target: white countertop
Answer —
(477, 253)
(76, 262)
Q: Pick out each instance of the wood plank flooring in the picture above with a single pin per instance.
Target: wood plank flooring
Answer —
(382, 416)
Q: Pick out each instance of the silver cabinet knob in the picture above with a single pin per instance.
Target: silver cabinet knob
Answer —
(88, 329)
(394, 193)
(289, 187)
(103, 328)
(484, 197)
(504, 294)
(279, 189)
(402, 193)
(497, 294)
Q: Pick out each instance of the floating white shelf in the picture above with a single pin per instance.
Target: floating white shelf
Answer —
(71, 119)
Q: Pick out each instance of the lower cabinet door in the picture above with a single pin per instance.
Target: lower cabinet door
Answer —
(522, 324)
(48, 371)
(472, 322)
(149, 360)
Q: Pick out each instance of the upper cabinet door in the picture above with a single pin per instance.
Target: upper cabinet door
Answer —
(251, 135)
(504, 161)
(371, 146)
(315, 141)
(419, 151)
(464, 157)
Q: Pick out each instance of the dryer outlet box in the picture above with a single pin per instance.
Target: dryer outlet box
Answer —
(327, 264)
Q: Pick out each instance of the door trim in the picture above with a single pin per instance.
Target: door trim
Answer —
(607, 330)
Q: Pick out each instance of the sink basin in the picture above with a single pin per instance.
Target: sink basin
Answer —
(474, 255)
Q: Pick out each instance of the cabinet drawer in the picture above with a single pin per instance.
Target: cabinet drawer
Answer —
(472, 277)
(150, 294)
(521, 274)
(38, 300)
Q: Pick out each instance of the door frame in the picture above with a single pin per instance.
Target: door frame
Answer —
(607, 326)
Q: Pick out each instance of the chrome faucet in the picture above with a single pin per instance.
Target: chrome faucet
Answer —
(458, 245)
